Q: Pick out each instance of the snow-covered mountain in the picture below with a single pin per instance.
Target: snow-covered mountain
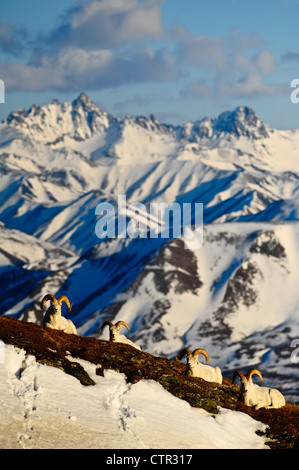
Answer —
(236, 296)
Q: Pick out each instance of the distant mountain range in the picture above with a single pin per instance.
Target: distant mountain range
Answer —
(236, 296)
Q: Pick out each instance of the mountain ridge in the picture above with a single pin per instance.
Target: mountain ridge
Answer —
(241, 121)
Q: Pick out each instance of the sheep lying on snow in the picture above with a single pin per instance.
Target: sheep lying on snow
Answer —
(196, 369)
(114, 333)
(254, 395)
(53, 318)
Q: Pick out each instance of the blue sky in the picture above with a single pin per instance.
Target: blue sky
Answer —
(180, 60)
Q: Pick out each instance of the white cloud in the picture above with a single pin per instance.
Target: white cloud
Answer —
(97, 44)
(104, 44)
(106, 23)
(79, 69)
(249, 86)
(252, 73)
(238, 76)
(55, 72)
(262, 63)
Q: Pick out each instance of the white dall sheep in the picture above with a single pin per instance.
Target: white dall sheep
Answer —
(114, 333)
(256, 396)
(196, 369)
(53, 318)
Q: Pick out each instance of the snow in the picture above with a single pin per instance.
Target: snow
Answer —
(44, 408)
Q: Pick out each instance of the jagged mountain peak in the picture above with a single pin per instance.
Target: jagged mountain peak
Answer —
(79, 119)
(20, 115)
(85, 102)
(83, 98)
(242, 121)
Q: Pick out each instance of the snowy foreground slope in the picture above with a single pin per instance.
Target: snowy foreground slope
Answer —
(236, 296)
(44, 408)
(61, 390)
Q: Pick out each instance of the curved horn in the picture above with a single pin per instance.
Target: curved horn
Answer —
(120, 322)
(46, 298)
(63, 298)
(109, 323)
(186, 351)
(201, 351)
(183, 352)
(240, 374)
(254, 371)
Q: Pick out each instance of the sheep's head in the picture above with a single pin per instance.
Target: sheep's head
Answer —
(246, 380)
(52, 300)
(192, 356)
(114, 329)
(56, 303)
